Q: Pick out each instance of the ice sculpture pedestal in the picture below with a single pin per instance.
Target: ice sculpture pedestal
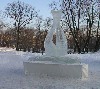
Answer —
(76, 71)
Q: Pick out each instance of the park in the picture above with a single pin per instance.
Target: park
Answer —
(58, 50)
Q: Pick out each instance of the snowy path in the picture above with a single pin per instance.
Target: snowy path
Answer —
(12, 73)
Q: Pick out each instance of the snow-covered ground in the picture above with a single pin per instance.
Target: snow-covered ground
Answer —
(12, 73)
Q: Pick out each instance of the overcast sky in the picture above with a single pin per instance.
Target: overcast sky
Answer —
(42, 5)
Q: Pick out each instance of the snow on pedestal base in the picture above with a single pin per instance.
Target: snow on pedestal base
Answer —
(56, 69)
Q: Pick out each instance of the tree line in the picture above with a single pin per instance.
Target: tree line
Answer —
(80, 21)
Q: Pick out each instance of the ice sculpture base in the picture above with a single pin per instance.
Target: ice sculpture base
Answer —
(76, 71)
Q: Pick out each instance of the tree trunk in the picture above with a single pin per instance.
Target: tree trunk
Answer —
(17, 40)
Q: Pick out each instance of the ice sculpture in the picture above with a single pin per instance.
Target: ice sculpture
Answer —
(60, 48)
(56, 63)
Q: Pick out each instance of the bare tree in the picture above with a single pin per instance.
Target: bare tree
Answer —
(39, 21)
(71, 10)
(22, 14)
(47, 23)
(78, 13)
(97, 45)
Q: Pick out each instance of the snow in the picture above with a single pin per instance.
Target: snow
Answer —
(12, 73)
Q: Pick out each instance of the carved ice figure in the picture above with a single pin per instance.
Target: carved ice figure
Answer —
(55, 63)
(60, 48)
